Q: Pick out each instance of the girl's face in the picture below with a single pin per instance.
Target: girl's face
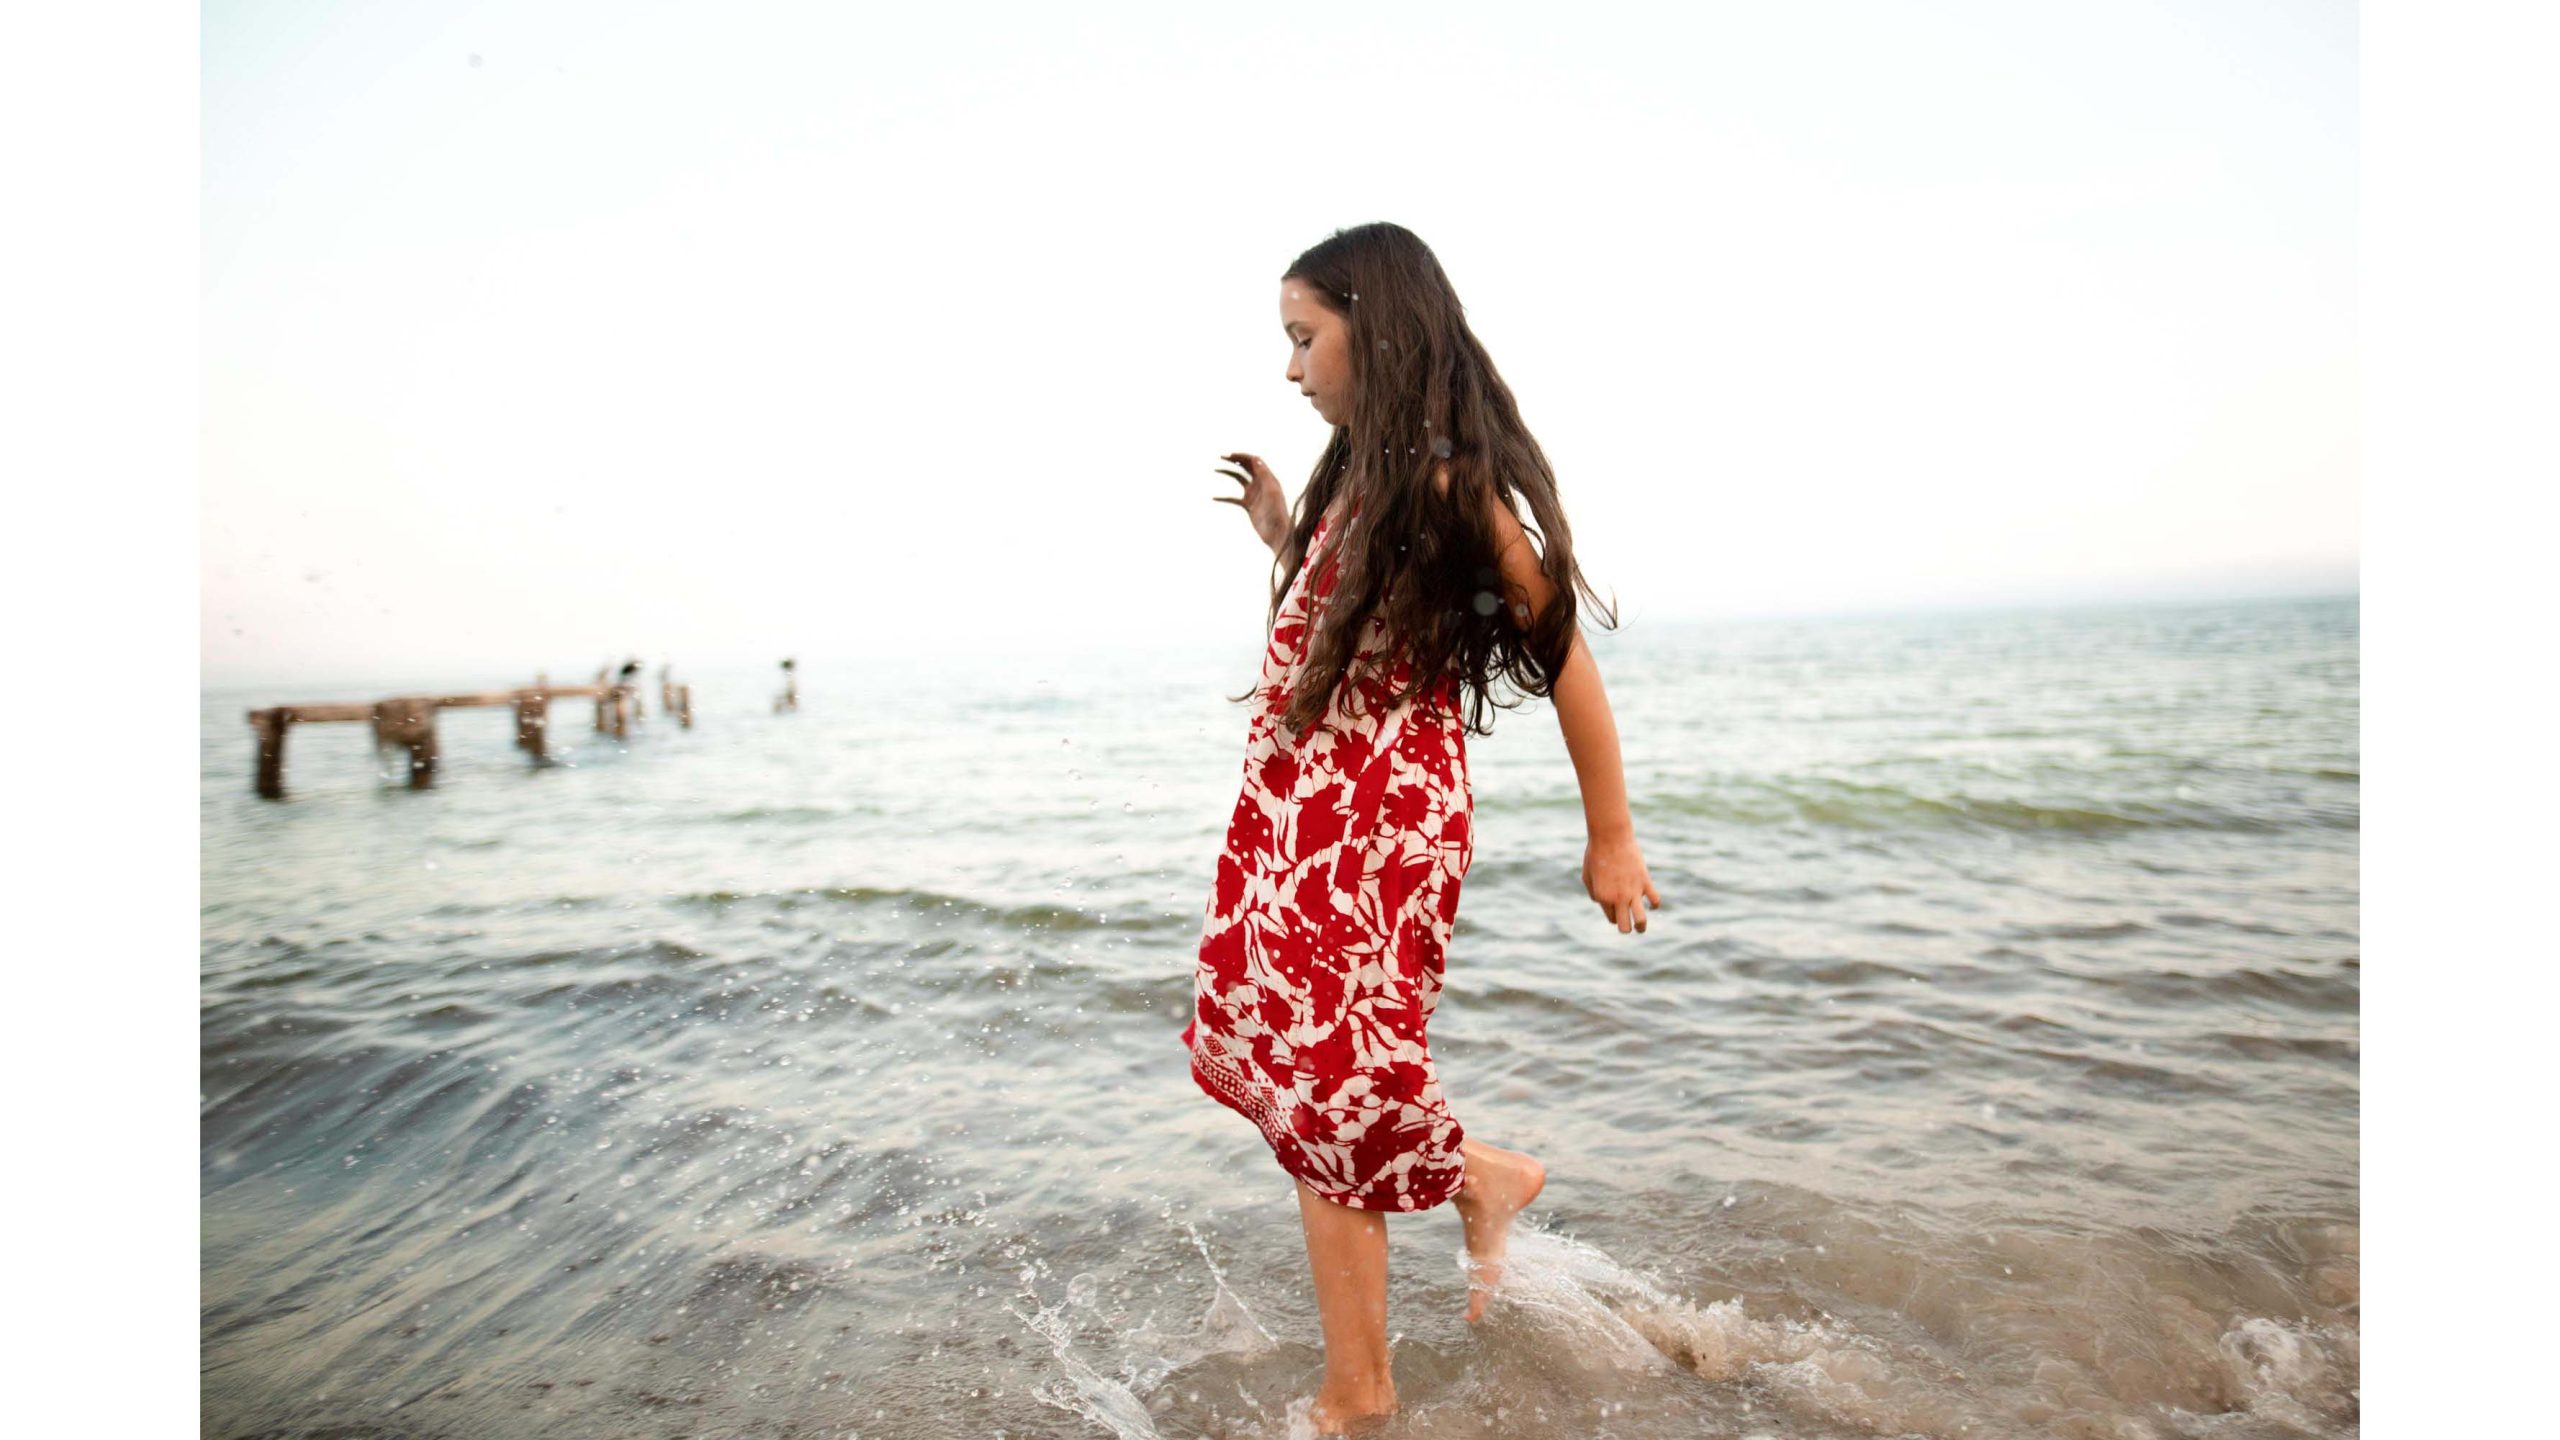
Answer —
(1319, 350)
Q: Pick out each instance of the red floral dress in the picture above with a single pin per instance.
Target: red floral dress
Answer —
(1320, 962)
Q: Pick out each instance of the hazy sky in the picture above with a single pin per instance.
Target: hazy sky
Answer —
(535, 333)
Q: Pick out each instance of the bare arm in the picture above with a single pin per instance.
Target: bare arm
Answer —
(1582, 704)
(1613, 867)
(1591, 737)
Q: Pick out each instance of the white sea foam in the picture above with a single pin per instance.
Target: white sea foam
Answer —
(1594, 1310)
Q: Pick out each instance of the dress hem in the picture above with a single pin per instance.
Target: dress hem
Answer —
(1217, 1084)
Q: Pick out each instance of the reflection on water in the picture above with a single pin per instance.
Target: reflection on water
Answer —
(1991, 1071)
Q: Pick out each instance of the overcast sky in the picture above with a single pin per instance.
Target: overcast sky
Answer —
(534, 333)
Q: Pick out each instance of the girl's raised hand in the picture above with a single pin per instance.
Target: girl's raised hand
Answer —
(1261, 500)
(1613, 875)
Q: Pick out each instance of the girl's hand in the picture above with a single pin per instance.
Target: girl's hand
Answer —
(1261, 501)
(1613, 875)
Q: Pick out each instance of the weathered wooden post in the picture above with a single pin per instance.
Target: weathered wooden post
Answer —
(271, 725)
(533, 717)
(789, 699)
(620, 699)
(684, 706)
(604, 701)
(410, 723)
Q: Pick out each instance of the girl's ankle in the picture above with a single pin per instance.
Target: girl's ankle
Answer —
(1365, 1399)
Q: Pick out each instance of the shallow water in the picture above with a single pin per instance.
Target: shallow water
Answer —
(1991, 1071)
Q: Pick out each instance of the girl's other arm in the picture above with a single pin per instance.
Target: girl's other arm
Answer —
(1613, 870)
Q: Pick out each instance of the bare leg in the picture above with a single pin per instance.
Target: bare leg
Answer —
(1499, 1184)
(1347, 1249)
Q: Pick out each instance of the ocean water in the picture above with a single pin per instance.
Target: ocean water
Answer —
(1991, 1069)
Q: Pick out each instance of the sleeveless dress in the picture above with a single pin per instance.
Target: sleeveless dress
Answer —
(1320, 960)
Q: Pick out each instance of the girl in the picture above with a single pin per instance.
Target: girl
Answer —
(1413, 583)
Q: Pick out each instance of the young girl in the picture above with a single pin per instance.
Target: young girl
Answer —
(1413, 583)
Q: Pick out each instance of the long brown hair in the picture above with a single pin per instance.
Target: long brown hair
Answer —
(1424, 395)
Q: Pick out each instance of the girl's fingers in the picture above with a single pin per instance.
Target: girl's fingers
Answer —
(1227, 500)
(1652, 894)
(1235, 475)
(1627, 915)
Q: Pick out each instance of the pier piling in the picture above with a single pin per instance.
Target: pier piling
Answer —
(271, 726)
(533, 717)
(409, 723)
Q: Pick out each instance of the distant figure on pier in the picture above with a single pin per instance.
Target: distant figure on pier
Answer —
(789, 699)
(629, 680)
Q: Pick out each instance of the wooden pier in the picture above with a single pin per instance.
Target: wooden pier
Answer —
(408, 722)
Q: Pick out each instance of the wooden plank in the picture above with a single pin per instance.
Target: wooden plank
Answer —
(510, 697)
(324, 713)
(312, 714)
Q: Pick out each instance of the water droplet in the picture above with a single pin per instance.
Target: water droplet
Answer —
(1440, 445)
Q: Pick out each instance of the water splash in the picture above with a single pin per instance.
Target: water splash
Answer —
(1144, 1355)
(2301, 1376)
(1585, 1306)
(1079, 1388)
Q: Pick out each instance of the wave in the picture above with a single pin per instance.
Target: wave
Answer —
(1012, 917)
(1849, 805)
(1887, 807)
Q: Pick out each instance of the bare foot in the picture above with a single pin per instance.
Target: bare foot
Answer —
(1350, 1414)
(1500, 1183)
